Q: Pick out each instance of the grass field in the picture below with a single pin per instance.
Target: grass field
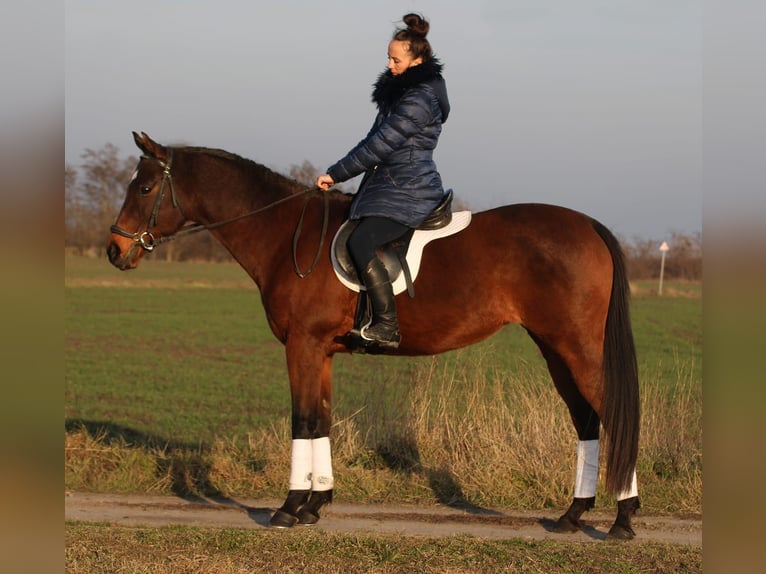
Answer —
(174, 384)
(178, 357)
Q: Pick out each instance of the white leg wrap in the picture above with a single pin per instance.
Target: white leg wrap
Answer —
(586, 478)
(631, 492)
(300, 465)
(321, 470)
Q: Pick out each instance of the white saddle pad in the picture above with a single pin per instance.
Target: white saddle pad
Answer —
(420, 238)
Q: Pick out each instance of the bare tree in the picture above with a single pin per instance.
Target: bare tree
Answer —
(306, 173)
(94, 194)
(73, 217)
(683, 261)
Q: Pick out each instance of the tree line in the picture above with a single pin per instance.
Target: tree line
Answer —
(94, 192)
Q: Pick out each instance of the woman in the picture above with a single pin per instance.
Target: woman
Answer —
(401, 186)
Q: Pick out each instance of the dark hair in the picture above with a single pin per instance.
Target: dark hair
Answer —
(415, 34)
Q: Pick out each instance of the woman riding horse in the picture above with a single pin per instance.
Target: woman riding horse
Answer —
(401, 186)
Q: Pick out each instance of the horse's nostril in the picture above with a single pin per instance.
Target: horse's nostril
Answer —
(113, 252)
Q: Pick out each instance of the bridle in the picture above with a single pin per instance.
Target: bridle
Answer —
(147, 240)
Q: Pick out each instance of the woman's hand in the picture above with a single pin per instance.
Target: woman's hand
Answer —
(325, 182)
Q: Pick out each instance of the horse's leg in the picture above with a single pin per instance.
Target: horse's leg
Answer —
(586, 423)
(321, 482)
(627, 504)
(311, 479)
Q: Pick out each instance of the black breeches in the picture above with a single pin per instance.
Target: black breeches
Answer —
(371, 233)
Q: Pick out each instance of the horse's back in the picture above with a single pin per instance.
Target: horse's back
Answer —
(534, 264)
(535, 240)
(538, 222)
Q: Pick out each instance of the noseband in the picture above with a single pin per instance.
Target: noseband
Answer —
(148, 241)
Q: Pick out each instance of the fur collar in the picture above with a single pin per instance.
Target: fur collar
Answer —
(389, 88)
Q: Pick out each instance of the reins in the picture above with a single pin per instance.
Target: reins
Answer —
(323, 234)
(148, 242)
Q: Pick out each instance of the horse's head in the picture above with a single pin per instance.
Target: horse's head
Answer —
(151, 210)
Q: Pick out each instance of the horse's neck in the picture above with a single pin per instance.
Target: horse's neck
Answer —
(264, 232)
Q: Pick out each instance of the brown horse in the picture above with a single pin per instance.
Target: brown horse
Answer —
(557, 272)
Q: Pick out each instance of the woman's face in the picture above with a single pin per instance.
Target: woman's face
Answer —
(399, 57)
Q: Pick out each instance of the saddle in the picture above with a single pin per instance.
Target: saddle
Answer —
(401, 257)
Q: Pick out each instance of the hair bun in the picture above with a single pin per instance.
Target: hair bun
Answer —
(416, 24)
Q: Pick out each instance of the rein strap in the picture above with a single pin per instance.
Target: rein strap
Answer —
(148, 242)
(297, 234)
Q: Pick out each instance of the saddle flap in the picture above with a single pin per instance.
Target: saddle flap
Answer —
(343, 264)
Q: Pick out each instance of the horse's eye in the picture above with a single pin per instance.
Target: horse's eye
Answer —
(146, 189)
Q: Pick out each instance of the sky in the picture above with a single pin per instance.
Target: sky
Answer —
(595, 105)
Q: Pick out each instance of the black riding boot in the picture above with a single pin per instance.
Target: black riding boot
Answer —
(384, 328)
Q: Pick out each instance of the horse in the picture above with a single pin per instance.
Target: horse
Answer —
(557, 272)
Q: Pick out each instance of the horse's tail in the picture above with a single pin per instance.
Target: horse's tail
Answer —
(620, 416)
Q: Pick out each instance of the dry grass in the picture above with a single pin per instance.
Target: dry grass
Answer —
(456, 436)
(670, 459)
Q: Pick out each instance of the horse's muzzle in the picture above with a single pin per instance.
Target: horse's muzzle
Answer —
(116, 257)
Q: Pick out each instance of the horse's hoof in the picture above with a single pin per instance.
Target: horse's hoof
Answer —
(570, 521)
(282, 519)
(565, 525)
(622, 529)
(621, 533)
(307, 518)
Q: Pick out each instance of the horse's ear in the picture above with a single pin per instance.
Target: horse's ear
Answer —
(150, 147)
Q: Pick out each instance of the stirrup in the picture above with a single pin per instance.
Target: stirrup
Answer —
(356, 330)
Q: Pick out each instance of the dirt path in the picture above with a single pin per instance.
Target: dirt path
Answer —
(141, 510)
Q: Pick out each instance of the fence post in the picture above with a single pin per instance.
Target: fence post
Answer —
(664, 248)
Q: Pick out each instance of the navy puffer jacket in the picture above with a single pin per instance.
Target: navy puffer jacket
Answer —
(401, 181)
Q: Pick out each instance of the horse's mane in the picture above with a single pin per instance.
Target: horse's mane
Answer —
(264, 173)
